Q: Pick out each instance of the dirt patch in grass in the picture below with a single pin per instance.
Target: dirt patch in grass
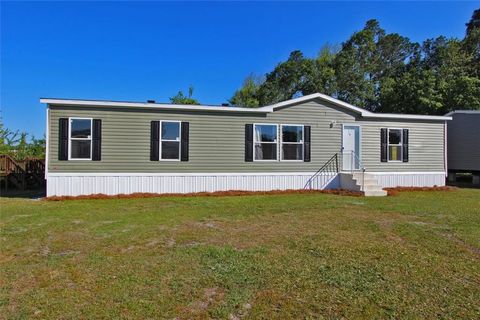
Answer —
(462, 243)
(397, 190)
(199, 308)
(203, 194)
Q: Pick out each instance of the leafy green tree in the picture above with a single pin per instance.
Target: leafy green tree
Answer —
(354, 66)
(320, 72)
(17, 145)
(36, 147)
(411, 92)
(474, 22)
(8, 139)
(247, 95)
(381, 72)
(286, 80)
(437, 80)
(471, 42)
(366, 60)
(181, 98)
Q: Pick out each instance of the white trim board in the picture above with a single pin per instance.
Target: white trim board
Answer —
(198, 174)
(406, 172)
(462, 111)
(177, 174)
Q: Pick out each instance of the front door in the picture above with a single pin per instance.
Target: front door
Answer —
(351, 147)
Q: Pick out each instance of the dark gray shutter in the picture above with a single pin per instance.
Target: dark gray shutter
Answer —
(249, 142)
(97, 140)
(405, 145)
(63, 139)
(154, 140)
(185, 139)
(383, 144)
(307, 144)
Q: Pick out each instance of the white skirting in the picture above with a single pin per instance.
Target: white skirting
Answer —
(409, 179)
(84, 184)
(74, 184)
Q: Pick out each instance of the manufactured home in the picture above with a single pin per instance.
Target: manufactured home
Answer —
(312, 142)
(463, 148)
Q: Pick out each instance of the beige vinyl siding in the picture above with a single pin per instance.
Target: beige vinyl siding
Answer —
(217, 140)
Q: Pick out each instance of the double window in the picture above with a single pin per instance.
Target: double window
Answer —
(395, 145)
(170, 140)
(266, 142)
(80, 139)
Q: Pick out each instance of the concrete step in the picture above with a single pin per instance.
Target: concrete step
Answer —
(373, 188)
(381, 193)
(367, 182)
(359, 175)
(357, 180)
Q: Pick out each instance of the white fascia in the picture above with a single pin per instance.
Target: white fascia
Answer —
(404, 116)
(314, 96)
(159, 106)
(462, 111)
(364, 113)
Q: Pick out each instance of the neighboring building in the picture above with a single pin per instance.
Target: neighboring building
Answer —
(310, 142)
(463, 147)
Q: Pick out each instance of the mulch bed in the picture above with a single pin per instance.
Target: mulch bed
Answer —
(341, 192)
(397, 190)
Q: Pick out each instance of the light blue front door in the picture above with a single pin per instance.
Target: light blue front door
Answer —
(351, 147)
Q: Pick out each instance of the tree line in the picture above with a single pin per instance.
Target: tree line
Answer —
(381, 72)
(20, 145)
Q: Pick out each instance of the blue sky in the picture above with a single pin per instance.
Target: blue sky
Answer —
(149, 50)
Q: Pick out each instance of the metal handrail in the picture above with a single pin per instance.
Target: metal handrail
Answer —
(331, 166)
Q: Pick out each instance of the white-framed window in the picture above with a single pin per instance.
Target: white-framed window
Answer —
(395, 145)
(265, 142)
(80, 139)
(292, 139)
(170, 137)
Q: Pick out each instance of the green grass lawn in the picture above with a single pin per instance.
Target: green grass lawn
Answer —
(415, 255)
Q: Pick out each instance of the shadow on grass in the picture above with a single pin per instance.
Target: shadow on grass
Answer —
(23, 194)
